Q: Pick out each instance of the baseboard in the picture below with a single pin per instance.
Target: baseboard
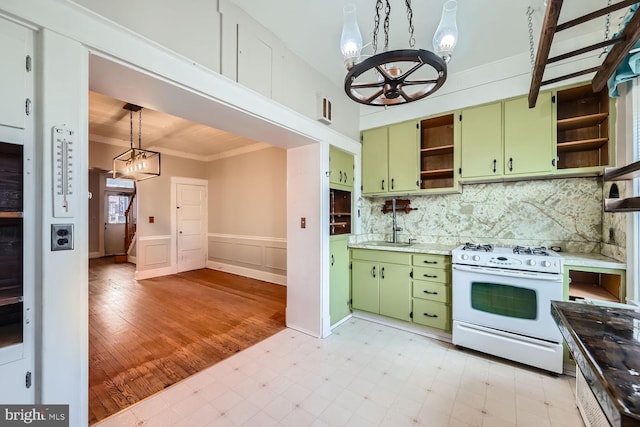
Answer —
(148, 274)
(132, 259)
(405, 326)
(265, 276)
(93, 255)
(303, 330)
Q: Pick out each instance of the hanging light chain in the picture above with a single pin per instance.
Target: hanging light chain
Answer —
(140, 129)
(387, 12)
(607, 29)
(374, 43)
(412, 40)
(532, 57)
(131, 128)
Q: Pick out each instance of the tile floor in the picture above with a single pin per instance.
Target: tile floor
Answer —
(365, 374)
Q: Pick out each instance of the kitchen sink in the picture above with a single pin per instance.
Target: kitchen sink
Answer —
(383, 243)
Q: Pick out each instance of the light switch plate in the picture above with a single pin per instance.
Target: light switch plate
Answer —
(61, 237)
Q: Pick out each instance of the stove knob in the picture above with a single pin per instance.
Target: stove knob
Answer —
(531, 262)
(546, 264)
(464, 256)
(476, 258)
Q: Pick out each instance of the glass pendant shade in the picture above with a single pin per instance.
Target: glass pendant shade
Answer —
(446, 35)
(351, 40)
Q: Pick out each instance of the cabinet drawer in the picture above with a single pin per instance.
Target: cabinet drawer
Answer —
(431, 313)
(432, 291)
(381, 256)
(433, 261)
(432, 274)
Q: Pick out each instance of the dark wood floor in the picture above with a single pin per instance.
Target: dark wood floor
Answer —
(147, 335)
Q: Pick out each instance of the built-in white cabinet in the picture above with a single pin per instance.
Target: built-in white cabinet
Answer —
(17, 207)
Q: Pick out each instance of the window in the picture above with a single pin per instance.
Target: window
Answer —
(120, 183)
(117, 205)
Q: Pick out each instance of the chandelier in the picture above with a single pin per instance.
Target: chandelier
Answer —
(136, 163)
(395, 77)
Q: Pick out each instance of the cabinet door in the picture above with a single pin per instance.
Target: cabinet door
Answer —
(339, 278)
(403, 156)
(481, 142)
(395, 291)
(341, 168)
(374, 161)
(529, 146)
(14, 46)
(364, 286)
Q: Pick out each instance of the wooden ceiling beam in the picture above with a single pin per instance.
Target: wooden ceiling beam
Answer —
(631, 34)
(548, 30)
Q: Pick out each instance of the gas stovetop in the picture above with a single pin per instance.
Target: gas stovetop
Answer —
(525, 258)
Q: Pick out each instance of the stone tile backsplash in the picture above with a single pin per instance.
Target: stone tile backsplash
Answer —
(559, 212)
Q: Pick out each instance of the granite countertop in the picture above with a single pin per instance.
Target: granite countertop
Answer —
(605, 343)
(591, 260)
(420, 248)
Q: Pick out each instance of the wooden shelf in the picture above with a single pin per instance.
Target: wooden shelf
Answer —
(443, 149)
(629, 171)
(341, 213)
(10, 334)
(630, 204)
(590, 290)
(11, 215)
(10, 295)
(437, 173)
(582, 145)
(582, 121)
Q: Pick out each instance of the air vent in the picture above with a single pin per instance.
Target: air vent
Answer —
(324, 109)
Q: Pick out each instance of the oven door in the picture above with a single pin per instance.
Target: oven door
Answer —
(512, 301)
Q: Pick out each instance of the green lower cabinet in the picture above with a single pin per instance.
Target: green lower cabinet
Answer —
(432, 291)
(395, 291)
(339, 278)
(431, 313)
(364, 286)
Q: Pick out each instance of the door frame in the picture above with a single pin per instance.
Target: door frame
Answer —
(175, 180)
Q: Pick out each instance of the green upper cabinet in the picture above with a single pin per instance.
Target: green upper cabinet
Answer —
(403, 157)
(374, 161)
(529, 143)
(481, 142)
(341, 169)
(390, 159)
(339, 278)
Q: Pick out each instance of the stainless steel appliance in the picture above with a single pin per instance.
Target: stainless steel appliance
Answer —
(502, 302)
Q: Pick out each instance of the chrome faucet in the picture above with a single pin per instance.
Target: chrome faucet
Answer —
(395, 227)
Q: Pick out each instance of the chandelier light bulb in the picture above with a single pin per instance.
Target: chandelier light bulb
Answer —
(446, 35)
(351, 39)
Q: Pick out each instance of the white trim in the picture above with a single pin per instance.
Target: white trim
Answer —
(95, 254)
(303, 330)
(265, 276)
(157, 272)
(243, 237)
(341, 321)
(132, 259)
(147, 238)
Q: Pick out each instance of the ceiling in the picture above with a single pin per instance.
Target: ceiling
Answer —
(489, 30)
(109, 123)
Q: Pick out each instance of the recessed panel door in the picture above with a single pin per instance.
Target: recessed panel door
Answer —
(191, 226)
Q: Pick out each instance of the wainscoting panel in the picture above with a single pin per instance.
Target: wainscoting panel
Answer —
(263, 258)
(153, 256)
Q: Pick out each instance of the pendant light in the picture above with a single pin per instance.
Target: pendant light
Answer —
(136, 163)
(395, 77)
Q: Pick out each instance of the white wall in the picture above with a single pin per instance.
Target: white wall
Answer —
(63, 276)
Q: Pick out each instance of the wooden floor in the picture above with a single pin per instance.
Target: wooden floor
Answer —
(147, 335)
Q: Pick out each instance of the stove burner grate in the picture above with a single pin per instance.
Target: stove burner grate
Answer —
(527, 250)
(477, 247)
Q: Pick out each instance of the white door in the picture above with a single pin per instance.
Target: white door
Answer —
(191, 216)
(115, 205)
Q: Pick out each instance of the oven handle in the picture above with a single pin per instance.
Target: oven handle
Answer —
(550, 277)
